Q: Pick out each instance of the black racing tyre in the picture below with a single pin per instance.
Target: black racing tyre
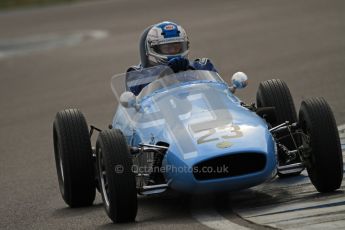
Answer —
(117, 181)
(73, 158)
(275, 93)
(324, 160)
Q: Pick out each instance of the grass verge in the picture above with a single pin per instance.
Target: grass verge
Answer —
(12, 4)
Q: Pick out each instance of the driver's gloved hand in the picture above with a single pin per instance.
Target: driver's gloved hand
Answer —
(178, 64)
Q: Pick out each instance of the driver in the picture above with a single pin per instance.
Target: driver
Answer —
(166, 43)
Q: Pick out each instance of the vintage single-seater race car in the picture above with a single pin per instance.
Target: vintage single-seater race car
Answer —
(188, 132)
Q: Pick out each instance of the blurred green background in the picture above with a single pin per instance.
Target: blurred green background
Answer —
(10, 4)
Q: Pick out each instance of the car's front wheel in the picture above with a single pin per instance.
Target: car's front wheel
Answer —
(275, 93)
(117, 181)
(323, 155)
(73, 158)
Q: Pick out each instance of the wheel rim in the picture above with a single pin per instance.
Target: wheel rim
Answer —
(61, 169)
(59, 163)
(306, 141)
(103, 178)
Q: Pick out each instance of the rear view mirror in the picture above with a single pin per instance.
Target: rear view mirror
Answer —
(128, 99)
(239, 80)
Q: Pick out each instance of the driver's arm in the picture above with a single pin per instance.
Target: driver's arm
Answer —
(204, 64)
(133, 80)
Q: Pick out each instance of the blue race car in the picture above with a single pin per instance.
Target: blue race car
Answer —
(187, 132)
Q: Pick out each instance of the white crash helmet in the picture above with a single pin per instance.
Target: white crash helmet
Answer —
(164, 41)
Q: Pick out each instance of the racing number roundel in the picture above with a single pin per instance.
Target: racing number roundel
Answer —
(169, 27)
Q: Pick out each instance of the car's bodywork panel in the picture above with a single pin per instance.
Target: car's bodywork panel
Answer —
(201, 120)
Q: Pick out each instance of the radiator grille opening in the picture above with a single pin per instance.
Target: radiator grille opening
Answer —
(229, 166)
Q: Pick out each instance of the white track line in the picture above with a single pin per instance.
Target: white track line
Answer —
(203, 210)
(212, 219)
(341, 129)
(35, 43)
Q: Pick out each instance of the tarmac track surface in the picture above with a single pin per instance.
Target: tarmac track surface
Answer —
(63, 56)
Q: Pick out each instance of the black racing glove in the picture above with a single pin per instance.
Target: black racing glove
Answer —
(178, 64)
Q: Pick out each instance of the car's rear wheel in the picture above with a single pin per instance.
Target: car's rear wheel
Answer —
(73, 158)
(323, 157)
(275, 93)
(117, 181)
